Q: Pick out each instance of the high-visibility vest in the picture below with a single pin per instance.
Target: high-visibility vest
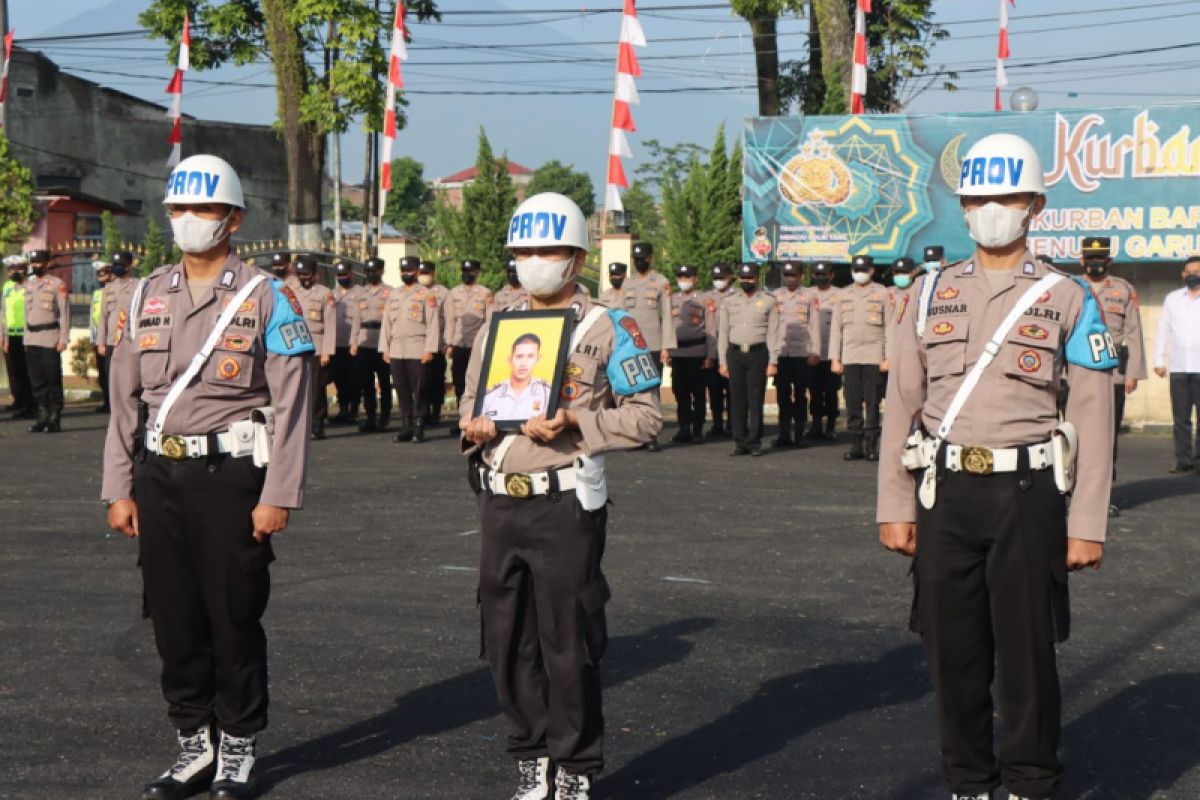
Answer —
(97, 309)
(14, 307)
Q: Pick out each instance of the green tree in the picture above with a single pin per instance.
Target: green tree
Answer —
(409, 201)
(664, 163)
(309, 104)
(18, 211)
(112, 234)
(152, 248)
(681, 210)
(646, 221)
(554, 176)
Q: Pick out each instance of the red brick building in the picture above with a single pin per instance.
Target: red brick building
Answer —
(450, 188)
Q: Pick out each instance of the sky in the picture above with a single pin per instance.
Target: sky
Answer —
(445, 59)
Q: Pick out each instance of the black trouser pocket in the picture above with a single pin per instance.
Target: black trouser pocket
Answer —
(251, 589)
(592, 621)
(1060, 602)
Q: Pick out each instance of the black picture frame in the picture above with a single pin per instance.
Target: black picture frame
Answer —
(506, 328)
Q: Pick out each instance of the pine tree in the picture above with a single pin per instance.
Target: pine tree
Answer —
(152, 246)
(112, 235)
(488, 205)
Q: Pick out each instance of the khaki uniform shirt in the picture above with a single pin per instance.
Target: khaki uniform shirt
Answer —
(799, 323)
(465, 310)
(695, 321)
(501, 402)
(746, 319)
(411, 323)
(858, 329)
(509, 296)
(442, 294)
(320, 312)
(607, 420)
(1119, 302)
(613, 297)
(365, 324)
(114, 310)
(46, 307)
(1016, 401)
(347, 310)
(827, 300)
(648, 300)
(240, 375)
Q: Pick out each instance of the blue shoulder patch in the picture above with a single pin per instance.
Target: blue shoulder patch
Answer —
(287, 332)
(1091, 345)
(631, 368)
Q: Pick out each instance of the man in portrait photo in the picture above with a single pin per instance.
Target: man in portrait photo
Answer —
(522, 396)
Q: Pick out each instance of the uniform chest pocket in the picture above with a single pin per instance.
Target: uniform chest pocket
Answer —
(875, 312)
(630, 300)
(1030, 351)
(580, 375)
(650, 296)
(315, 312)
(802, 313)
(154, 349)
(946, 347)
(229, 368)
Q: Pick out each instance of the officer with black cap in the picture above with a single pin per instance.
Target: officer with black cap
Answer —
(716, 384)
(614, 296)
(434, 383)
(858, 348)
(824, 384)
(320, 310)
(933, 258)
(748, 346)
(342, 363)
(648, 301)
(1123, 315)
(904, 270)
(103, 278)
(511, 292)
(281, 267)
(696, 337)
(47, 332)
(372, 302)
(466, 310)
(800, 351)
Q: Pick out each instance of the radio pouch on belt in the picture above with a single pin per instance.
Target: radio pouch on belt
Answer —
(927, 493)
(263, 420)
(1064, 443)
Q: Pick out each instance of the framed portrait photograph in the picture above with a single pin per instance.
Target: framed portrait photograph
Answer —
(523, 366)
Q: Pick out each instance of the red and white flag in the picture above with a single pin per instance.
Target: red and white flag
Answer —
(1002, 53)
(624, 96)
(858, 77)
(399, 52)
(8, 45)
(175, 89)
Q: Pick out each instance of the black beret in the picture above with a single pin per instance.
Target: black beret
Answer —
(342, 267)
(792, 268)
(722, 270)
(375, 263)
(409, 262)
(511, 265)
(823, 268)
(282, 257)
(427, 266)
(935, 252)
(123, 257)
(685, 271)
(748, 269)
(862, 262)
(904, 264)
(306, 263)
(470, 263)
(39, 256)
(618, 268)
(643, 250)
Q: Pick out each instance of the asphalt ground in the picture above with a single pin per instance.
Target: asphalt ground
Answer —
(759, 645)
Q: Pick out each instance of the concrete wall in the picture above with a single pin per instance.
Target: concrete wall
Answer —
(114, 146)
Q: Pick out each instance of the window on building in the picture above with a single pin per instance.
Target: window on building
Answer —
(88, 226)
(58, 182)
(24, 91)
(133, 205)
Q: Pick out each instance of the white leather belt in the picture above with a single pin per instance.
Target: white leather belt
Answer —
(178, 448)
(985, 461)
(526, 484)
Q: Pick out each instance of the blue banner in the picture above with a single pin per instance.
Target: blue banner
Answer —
(837, 187)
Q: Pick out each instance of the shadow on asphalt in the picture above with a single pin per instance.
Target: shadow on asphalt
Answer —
(1139, 493)
(1137, 744)
(783, 709)
(460, 701)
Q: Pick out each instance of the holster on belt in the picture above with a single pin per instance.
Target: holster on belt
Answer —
(1065, 443)
(474, 466)
(591, 483)
(253, 436)
(139, 437)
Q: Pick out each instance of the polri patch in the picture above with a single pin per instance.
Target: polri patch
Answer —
(228, 368)
(236, 342)
(1034, 332)
(1029, 361)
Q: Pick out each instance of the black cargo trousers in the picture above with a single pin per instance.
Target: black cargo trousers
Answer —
(206, 585)
(990, 583)
(542, 596)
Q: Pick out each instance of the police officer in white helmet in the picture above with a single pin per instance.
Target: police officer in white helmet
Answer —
(977, 492)
(217, 353)
(542, 511)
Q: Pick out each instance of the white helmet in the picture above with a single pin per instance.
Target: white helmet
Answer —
(204, 179)
(1002, 163)
(548, 220)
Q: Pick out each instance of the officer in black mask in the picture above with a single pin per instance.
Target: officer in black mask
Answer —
(614, 297)
(281, 266)
(824, 386)
(372, 301)
(341, 366)
(511, 292)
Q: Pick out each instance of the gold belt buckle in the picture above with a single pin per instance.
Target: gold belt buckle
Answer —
(173, 447)
(745, 348)
(977, 460)
(518, 485)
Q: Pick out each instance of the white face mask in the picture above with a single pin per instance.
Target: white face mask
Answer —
(686, 286)
(995, 225)
(425, 280)
(544, 277)
(861, 278)
(195, 235)
(930, 266)
(720, 284)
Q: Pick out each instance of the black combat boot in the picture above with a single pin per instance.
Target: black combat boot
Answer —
(419, 430)
(830, 434)
(855, 453)
(54, 423)
(406, 430)
(872, 446)
(682, 436)
(43, 420)
(367, 425)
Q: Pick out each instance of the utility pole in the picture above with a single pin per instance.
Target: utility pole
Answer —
(335, 147)
(3, 34)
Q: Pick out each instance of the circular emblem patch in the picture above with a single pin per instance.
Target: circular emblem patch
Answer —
(569, 391)
(1029, 361)
(228, 368)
